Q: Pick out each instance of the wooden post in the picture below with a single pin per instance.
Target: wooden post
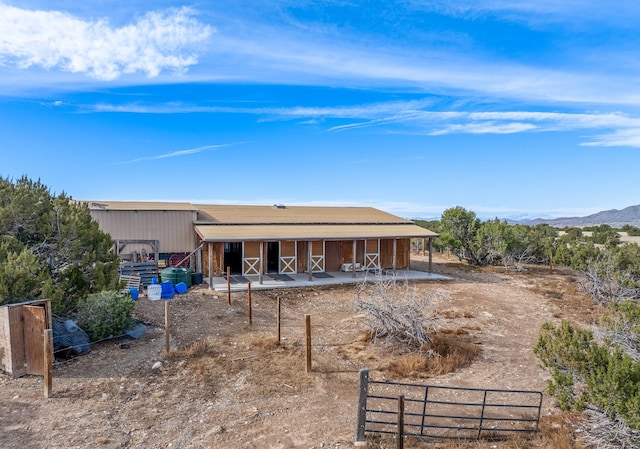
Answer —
(362, 407)
(261, 266)
(550, 262)
(166, 326)
(48, 361)
(430, 254)
(199, 259)
(278, 320)
(249, 293)
(395, 254)
(400, 441)
(229, 284)
(309, 269)
(210, 256)
(308, 339)
(424, 246)
(353, 259)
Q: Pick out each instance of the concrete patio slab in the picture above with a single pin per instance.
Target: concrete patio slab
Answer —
(328, 278)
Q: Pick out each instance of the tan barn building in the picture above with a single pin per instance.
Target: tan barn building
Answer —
(147, 227)
(255, 240)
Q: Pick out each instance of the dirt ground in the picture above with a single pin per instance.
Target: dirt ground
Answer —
(227, 384)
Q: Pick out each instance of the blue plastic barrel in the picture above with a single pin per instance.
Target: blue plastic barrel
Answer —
(167, 290)
(181, 287)
(134, 293)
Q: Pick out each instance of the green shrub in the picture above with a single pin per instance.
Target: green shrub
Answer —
(585, 373)
(105, 314)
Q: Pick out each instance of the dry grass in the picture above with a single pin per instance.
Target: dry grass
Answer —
(196, 350)
(563, 290)
(209, 362)
(453, 349)
(555, 432)
(451, 314)
(265, 344)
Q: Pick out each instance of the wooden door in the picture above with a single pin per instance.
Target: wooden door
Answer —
(317, 256)
(251, 258)
(34, 326)
(372, 254)
(288, 256)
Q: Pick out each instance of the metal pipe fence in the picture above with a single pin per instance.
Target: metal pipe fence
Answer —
(432, 411)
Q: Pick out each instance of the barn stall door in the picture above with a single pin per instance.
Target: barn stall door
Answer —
(317, 256)
(251, 258)
(288, 257)
(372, 254)
(34, 326)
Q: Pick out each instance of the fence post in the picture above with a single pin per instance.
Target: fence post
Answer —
(48, 361)
(400, 441)
(278, 309)
(229, 284)
(307, 319)
(424, 408)
(166, 326)
(362, 407)
(249, 292)
(484, 402)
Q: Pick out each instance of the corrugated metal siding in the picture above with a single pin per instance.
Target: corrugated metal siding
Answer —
(173, 229)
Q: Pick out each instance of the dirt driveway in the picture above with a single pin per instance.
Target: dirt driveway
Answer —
(227, 384)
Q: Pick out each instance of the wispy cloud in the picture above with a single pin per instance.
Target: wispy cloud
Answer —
(618, 138)
(180, 153)
(538, 12)
(158, 40)
(419, 117)
(271, 44)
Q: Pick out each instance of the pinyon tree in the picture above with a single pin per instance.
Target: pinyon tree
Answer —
(50, 247)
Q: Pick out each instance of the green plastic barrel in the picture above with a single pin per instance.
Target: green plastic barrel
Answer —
(176, 275)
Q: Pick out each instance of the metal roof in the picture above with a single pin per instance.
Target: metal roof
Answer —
(230, 233)
(139, 205)
(234, 214)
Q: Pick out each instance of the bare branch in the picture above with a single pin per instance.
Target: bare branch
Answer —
(396, 312)
(599, 431)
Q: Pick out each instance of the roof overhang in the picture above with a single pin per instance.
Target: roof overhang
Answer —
(240, 233)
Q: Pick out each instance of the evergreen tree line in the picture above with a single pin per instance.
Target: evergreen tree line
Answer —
(610, 270)
(593, 370)
(50, 247)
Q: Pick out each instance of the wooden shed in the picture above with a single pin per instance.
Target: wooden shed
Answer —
(22, 327)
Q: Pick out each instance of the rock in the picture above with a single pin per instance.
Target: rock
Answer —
(157, 365)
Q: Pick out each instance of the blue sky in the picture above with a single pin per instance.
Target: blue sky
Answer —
(507, 108)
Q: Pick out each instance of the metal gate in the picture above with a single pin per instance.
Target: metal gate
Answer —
(432, 411)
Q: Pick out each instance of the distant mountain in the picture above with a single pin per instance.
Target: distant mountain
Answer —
(614, 218)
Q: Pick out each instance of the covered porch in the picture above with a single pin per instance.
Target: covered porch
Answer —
(272, 281)
(285, 253)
